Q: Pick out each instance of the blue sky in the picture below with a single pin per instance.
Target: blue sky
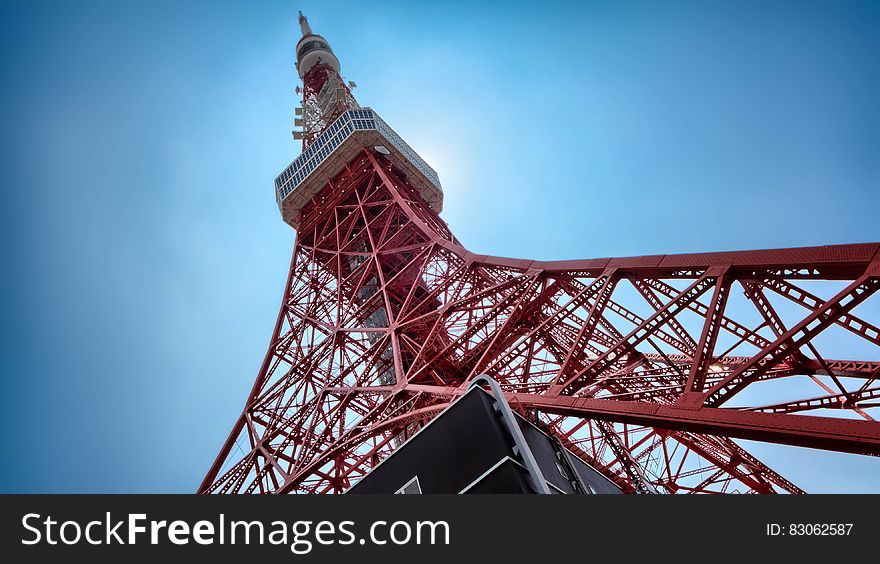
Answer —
(145, 256)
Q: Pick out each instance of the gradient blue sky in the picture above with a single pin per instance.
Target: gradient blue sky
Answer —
(145, 256)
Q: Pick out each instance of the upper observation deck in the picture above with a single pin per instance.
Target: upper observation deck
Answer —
(353, 131)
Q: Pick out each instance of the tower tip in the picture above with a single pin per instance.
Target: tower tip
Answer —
(304, 24)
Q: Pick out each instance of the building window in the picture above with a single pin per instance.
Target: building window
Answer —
(411, 487)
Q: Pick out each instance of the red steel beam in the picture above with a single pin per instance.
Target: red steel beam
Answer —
(709, 336)
(842, 435)
(812, 325)
(836, 262)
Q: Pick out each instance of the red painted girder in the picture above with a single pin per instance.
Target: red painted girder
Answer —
(845, 368)
(843, 435)
(803, 332)
(628, 344)
(830, 401)
(830, 262)
(800, 296)
(730, 325)
(673, 323)
(711, 328)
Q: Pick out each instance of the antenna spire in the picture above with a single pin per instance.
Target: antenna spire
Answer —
(304, 24)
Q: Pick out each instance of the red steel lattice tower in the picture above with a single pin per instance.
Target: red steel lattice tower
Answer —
(647, 367)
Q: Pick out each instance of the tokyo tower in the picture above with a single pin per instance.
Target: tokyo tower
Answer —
(647, 367)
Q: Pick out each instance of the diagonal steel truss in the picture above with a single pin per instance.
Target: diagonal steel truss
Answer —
(647, 367)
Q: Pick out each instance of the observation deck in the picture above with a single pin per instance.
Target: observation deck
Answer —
(335, 147)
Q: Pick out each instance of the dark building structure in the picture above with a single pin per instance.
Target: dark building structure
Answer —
(472, 448)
